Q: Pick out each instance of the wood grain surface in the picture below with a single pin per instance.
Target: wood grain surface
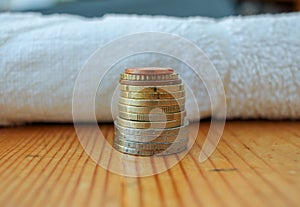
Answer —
(256, 164)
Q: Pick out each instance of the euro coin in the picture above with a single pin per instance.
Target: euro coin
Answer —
(147, 146)
(149, 71)
(154, 95)
(149, 109)
(152, 117)
(152, 89)
(138, 77)
(151, 102)
(150, 83)
(146, 124)
(168, 132)
(182, 136)
(139, 152)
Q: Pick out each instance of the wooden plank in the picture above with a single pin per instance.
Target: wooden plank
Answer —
(256, 164)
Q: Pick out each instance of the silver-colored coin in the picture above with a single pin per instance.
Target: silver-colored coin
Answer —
(152, 117)
(152, 132)
(138, 152)
(181, 136)
(148, 145)
(147, 124)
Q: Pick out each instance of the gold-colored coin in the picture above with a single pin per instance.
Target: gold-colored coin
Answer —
(152, 89)
(146, 124)
(152, 117)
(151, 102)
(148, 109)
(139, 152)
(157, 95)
(136, 77)
(152, 133)
(147, 146)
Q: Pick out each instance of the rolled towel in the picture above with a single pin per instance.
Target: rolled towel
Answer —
(257, 57)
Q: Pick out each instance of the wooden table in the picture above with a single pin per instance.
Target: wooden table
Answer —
(257, 163)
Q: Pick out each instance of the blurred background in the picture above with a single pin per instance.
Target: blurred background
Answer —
(180, 8)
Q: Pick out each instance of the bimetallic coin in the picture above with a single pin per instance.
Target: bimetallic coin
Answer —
(157, 95)
(146, 124)
(151, 89)
(151, 102)
(147, 146)
(152, 117)
(182, 136)
(152, 132)
(162, 152)
(149, 71)
(136, 77)
(148, 109)
(150, 83)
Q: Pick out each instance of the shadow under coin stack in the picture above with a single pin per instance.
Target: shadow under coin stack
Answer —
(151, 113)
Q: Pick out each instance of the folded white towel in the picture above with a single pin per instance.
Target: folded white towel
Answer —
(258, 58)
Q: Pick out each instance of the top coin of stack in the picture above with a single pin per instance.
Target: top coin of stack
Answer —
(151, 112)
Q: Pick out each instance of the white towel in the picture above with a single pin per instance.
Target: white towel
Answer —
(257, 57)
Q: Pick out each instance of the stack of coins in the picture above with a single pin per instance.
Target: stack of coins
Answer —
(152, 113)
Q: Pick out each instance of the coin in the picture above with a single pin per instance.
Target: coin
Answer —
(182, 136)
(151, 102)
(151, 89)
(148, 109)
(150, 83)
(152, 132)
(149, 71)
(152, 117)
(137, 77)
(133, 151)
(155, 95)
(149, 145)
(146, 124)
